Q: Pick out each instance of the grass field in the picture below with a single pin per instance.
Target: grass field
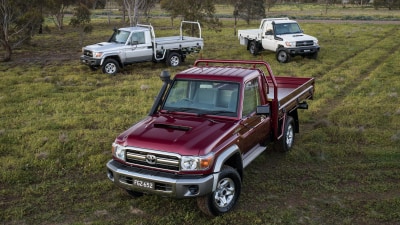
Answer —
(58, 120)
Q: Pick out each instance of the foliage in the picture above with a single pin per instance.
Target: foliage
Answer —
(193, 10)
(81, 19)
(135, 7)
(251, 9)
(56, 9)
(390, 4)
(19, 19)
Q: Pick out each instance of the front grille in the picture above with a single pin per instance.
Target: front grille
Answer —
(304, 43)
(152, 159)
(88, 53)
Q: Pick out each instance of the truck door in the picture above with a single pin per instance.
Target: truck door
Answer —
(268, 38)
(138, 48)
(254, 128)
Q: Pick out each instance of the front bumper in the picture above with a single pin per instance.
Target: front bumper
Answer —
(303, 50)
(171, 185)
(90, 61)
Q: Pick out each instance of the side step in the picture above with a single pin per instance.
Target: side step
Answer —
(252, 154)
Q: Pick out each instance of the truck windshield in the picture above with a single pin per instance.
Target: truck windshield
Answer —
(287, 28)
(203, 97)
(119, 37)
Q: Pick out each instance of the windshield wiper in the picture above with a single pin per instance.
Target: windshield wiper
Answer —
(184, 109)
(219, 112)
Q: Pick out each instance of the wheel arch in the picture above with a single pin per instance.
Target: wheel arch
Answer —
(279, 46)
(231, 157)
(258, 43)
(115, 57)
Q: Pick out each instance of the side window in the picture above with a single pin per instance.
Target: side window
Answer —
(251, 97)
(270, 28)
(138, 38)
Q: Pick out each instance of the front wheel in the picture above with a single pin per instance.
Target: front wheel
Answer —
(313, 55)
(174, 59)
(134, 194)
(282, 55)
(110, 66)
(93, 68)
(227, 193)
(285, 144)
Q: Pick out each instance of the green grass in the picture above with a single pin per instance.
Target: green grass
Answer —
(58, 120)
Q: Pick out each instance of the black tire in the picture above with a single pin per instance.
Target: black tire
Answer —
(282, 55)
(224, 198)
(285, 144)
(174, 59)
(110, 66)
(313, 55)
(93, 68)
(253, 48)
(134, 194)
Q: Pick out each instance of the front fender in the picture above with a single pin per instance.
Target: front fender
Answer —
(114, 56)
(222, 159)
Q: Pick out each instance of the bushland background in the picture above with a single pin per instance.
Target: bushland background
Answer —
(58, 120)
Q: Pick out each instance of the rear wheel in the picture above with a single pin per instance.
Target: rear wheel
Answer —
(174, 59)
(282, 55)
(110, 66)
(286, 142)
(253, 48)
(224, 198)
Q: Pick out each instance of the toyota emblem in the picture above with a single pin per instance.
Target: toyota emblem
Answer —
(151, 159)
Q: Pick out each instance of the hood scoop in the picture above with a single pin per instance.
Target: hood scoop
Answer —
(298, 35)
(171, 126)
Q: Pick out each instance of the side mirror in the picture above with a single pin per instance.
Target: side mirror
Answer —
(263, 110)
(269, 32)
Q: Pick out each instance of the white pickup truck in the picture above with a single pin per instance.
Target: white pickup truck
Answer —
(139, 44)
(280, 35)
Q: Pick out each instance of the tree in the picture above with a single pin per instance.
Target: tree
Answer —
(251, 9)
(81, 20)
(137, 8)
(56, 9)
(390, 4)
(270, 4)
(19, 19)
(194, 10)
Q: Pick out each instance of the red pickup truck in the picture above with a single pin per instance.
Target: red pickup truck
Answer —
(205, 127)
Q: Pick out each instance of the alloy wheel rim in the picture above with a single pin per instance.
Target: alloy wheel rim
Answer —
(225, 192)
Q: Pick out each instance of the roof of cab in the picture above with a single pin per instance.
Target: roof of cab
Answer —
(233, 74)
(130, 29)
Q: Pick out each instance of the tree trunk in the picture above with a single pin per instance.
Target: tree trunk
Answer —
(7, 53)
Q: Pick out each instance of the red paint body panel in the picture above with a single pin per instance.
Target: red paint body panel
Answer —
(202, 136)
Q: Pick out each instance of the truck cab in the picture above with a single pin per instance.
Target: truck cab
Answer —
(206, 125)
(280, 35)
(136, 44)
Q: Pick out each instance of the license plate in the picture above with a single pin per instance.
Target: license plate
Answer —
(143, 184)
(307, 50)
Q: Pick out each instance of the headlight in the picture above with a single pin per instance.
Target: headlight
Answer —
(97, 54)
(192, 163)
(315, 42)
(118, 151)
(289, 44)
